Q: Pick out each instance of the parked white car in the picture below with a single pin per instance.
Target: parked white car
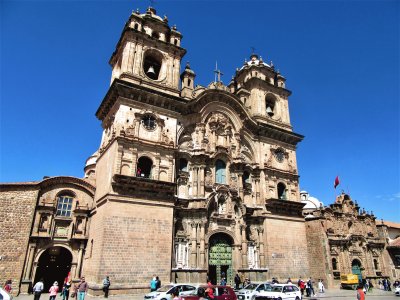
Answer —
(250, 291)
(164, 292)
(4, 295)
(280, 292)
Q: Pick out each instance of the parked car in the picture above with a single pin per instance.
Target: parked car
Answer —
(4, 295)
(221, 292)
(164, 292)
(280, 292)
(250, 291)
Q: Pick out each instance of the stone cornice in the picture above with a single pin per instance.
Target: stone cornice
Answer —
(128, 33)
(134, 92)
(68, 180)
(52, 181)
(284, 207)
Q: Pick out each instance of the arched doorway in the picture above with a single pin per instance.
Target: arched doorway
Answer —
(220, 258)
(356, 269)
(54, 265)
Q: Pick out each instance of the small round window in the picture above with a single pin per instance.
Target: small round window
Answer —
(149, 122)
(279, 155)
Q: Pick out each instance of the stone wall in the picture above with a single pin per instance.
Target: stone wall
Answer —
(317, 252)
(131, 243)
(286, 248)
(17, 207)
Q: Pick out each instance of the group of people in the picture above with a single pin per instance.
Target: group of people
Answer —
(385, 284)
(80, 289)
(308, 287)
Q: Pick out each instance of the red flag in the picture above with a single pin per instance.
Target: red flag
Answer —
(336, 182)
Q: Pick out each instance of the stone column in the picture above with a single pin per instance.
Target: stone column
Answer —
(193, 252)
(194, 184)
(257, 183)
(28, 266)
(201, 181)
(240, 184)
(202, 245)
(80, 258)
(131, 57)
(261, 241)
(244, 247)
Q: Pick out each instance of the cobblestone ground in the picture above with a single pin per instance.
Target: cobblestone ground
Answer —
(331, 293)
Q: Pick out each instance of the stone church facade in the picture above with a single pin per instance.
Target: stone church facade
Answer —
(189, 182)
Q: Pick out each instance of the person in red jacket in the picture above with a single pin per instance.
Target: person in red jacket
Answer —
(360, 293)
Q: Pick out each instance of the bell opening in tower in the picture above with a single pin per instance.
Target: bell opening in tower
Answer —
(152, 65)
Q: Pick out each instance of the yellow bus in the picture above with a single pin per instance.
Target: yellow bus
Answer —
(349, 281)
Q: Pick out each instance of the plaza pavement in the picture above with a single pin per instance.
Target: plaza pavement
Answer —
(329, 293)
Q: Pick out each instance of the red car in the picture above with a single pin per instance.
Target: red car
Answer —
(221, 292)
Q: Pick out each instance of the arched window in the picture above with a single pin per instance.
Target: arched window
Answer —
(334, 264)
(376, 264)
(282, 191)
(136, 26)
(64, 205)
(270, 105)
(183, 165)
(220, 173)
(144, 167)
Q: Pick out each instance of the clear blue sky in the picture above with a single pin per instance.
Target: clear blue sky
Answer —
(340, 59)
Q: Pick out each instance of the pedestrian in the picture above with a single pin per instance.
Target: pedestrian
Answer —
(302, 286)
(360, 293)
(223, 281)
(158, 284)
(106, 286)
(209, 291)
(312, 292)
(321, 287)
(289, 281)
(237, 281)
(201, 293)
(370, 285)
(7, 286)
(153, 284)
(175, 294)
(65, 289)
(53, 290)
(38, 289)
(308, 288)
(81, 289)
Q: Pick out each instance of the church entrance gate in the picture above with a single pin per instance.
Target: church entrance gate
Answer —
(356, 269)
(54, 265)
(220, 258)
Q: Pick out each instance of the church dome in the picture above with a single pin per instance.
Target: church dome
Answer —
(92, 159)
(255, 60)
(151, 12)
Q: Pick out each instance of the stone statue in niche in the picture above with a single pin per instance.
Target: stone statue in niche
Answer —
(208, 177)
(130, 131)
(43, 224)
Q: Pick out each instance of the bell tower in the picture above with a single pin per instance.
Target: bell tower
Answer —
(149, 53)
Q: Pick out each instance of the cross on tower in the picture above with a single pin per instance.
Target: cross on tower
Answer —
(218, 73)
(152, 3)
(252, 50)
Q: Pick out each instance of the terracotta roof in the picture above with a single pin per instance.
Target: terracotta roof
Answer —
(395, 242)
(391, 224)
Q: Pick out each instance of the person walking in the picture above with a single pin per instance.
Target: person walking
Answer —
(7, 286)
(106, 286)
(65, 289)
(153, 284)
(158, 283)
(360, 293)
(223, 281)
(38, 289)
(53, 290)
(237, 281)
(321, 287)
(81, 289)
